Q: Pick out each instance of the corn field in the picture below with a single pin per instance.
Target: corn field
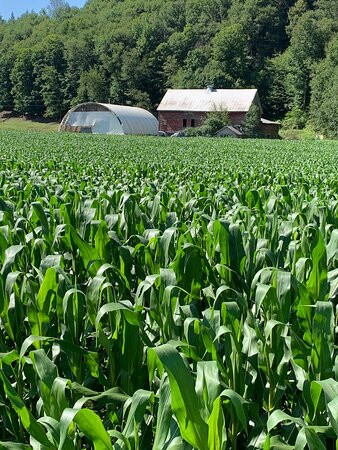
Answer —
(167, 294)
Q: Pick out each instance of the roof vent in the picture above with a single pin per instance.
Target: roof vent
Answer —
(210, 88)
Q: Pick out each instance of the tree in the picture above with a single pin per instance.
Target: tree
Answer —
(51, 91)
(93, 87)
(214, 121)
(55, 6)
(194, 73)
(27, 99)
(252, 121)
(275, 46)
(264, 24)
(272, 88)
(229, 57)
(6, 97)
(295, 119)
(138, 98)
(79, 57)
(116, 94)
(295, 13)
(49, 69)
(324, 100)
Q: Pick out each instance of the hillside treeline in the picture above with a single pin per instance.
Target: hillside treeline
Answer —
(131, 51)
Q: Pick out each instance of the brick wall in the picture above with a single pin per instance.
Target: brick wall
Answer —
(236, 118)
(172, 121)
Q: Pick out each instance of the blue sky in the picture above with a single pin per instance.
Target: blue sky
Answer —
(21, 6)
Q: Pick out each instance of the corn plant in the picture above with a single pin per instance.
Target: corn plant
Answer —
(167, 294)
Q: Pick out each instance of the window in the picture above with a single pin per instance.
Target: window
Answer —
(86, 130)
(192, 122)
(184, 123)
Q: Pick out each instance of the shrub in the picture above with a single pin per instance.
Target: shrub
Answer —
(295, 119)
(215, 121)
(252, 122)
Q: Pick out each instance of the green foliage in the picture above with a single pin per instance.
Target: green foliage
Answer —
(252, 121)
(162, 293)
(26, 98)
(55, 7)
(152, 46)
(6, 98)
(230, 57)
(295, 119)
(214, 121)
(324, 100)
(49, 67)
(92, 87)
(307, 133)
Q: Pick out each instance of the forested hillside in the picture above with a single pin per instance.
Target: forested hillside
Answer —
(131, 51)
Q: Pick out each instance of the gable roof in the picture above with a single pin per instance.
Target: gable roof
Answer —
(231, 128)
(207, 100)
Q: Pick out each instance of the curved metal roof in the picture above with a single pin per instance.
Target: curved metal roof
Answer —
(131, 120)
(134, 120)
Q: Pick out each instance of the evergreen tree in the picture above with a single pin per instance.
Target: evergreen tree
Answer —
(6, 97)
(27, 100)
(324, 100)
(252, 122)
(49, 69)
(51, 90)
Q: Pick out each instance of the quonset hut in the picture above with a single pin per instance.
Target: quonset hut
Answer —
(102, 118)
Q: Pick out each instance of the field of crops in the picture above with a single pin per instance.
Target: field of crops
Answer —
(167, 294)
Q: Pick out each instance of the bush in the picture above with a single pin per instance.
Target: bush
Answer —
(252, 122)
(191, 132)
(215, 121)
(295, 119)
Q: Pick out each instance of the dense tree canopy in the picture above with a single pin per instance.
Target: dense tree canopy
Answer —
(131, 51)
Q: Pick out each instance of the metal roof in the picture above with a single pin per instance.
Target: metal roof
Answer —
(111, 119)
(207, 100)
(232, 129)
(269, 121)
(134, 120)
